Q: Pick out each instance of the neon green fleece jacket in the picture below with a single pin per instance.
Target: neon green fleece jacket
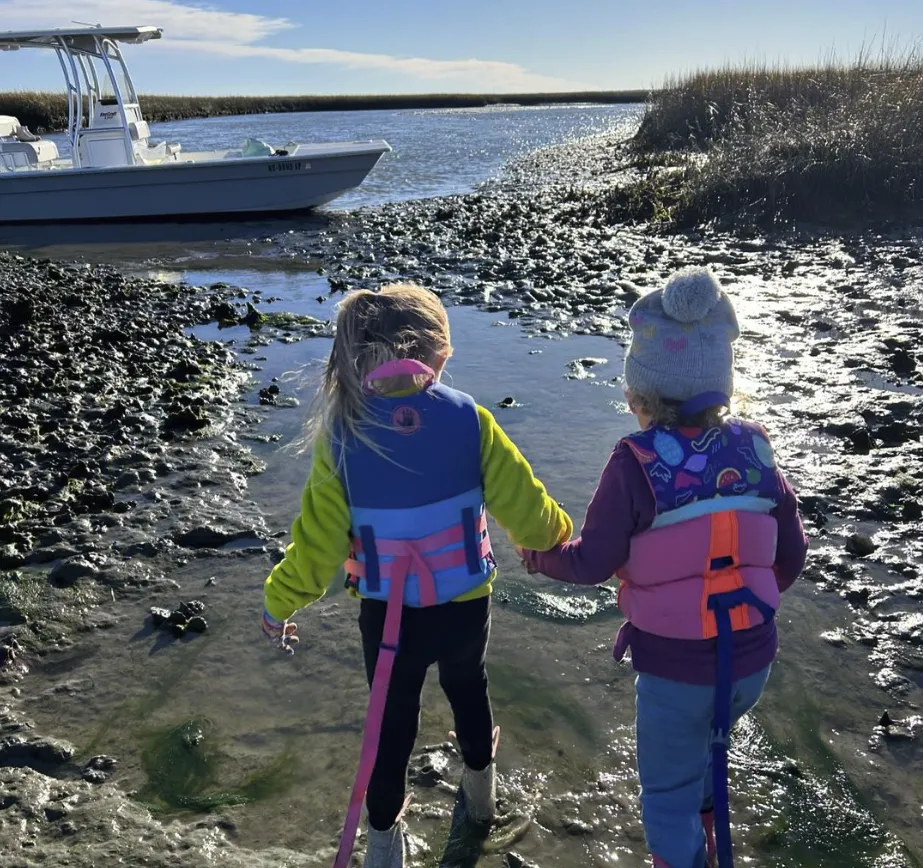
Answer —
(321, 539)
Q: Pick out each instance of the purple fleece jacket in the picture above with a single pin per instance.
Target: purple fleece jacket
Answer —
(624, 506)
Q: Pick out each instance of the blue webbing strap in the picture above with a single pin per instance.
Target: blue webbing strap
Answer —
(472, 557)
(721, 605)
(372, 572)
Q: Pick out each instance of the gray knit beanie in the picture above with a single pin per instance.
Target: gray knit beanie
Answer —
(682, 339)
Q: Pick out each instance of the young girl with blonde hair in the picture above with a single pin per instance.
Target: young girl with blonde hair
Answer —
(702, 528)
(404, 471)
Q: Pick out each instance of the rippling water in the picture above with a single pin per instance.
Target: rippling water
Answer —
(435, 152)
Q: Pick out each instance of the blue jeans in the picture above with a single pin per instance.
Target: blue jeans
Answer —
(674, 728)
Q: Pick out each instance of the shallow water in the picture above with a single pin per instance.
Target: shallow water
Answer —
(435, 153)
(565, 708)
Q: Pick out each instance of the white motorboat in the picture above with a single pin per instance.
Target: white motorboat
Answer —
(115, 171)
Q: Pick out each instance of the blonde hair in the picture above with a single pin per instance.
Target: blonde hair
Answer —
(400, 321)
(665, 413)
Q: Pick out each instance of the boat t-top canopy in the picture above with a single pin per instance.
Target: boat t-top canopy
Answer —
(78, 39)
(101, 98)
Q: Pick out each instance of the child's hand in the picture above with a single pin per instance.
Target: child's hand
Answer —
(523, 561)
(281, 634)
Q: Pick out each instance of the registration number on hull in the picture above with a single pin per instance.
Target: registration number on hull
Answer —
(289, 167)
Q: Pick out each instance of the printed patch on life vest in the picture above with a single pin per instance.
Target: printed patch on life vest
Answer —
(405, 420)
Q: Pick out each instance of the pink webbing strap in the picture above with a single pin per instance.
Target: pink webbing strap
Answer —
(432, 562)
(399, 368)
(387, 651)
(439, 540)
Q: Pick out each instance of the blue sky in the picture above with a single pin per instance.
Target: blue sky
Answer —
(407, 46)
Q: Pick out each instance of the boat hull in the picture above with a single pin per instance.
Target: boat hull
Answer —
(186, 190)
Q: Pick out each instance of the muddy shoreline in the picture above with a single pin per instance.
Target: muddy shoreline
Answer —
(116, 426)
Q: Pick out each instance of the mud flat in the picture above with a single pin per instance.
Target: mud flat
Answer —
(115, 425)
(125, 479)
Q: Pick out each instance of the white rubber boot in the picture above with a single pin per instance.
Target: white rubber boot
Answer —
(385, 849)
(480, 789)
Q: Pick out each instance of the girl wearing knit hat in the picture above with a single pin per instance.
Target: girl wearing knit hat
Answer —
(701, 527)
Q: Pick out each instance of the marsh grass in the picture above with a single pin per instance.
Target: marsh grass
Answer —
(46, 112)
(775, 145)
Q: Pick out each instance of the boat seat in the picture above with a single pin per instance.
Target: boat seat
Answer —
(28, 154)
(8, 125)
(140, 131)
(100, 148)
(24, 134)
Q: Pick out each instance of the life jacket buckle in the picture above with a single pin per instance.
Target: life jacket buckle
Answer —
(720, 564)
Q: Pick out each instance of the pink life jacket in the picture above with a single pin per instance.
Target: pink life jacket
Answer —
(712, 533)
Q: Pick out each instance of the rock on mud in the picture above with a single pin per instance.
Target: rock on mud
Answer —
(186, 617)
(37, 753)
(430, 767)
(861, 545)
(208, 537)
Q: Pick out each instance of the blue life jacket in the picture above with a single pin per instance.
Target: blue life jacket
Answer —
(424, 488)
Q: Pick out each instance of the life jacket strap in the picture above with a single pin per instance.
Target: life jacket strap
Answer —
(726, 603)
(371, 734)
(439, 540)
(410, 557)
(434, 563)
(722, 572)
(420, 557)
(722, 606)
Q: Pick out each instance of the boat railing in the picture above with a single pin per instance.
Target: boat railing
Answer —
(84, 80)
(109, 52)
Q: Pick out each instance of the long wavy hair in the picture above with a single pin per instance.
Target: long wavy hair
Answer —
(400, 321)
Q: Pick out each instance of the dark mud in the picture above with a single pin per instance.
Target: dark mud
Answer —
(119, 462)
(110, 416)
(830, 361)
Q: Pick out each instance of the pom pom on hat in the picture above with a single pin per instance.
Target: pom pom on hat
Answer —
(691, 294)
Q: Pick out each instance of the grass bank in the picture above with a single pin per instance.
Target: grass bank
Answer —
(46, 112)
(768, 146)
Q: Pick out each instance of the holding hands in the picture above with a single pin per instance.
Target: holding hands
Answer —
(522, 559)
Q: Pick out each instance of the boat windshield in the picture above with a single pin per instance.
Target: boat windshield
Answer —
(107, 88)
(114, 79)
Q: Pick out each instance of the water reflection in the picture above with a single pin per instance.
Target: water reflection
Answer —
(168, 241)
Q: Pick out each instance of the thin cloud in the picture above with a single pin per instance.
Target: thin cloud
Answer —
(491, 73)
(182, 20)
(207, 29)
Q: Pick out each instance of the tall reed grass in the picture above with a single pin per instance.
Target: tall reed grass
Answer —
(774, 145)
(47, 112)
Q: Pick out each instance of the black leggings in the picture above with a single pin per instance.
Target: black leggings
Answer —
(454, 636)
